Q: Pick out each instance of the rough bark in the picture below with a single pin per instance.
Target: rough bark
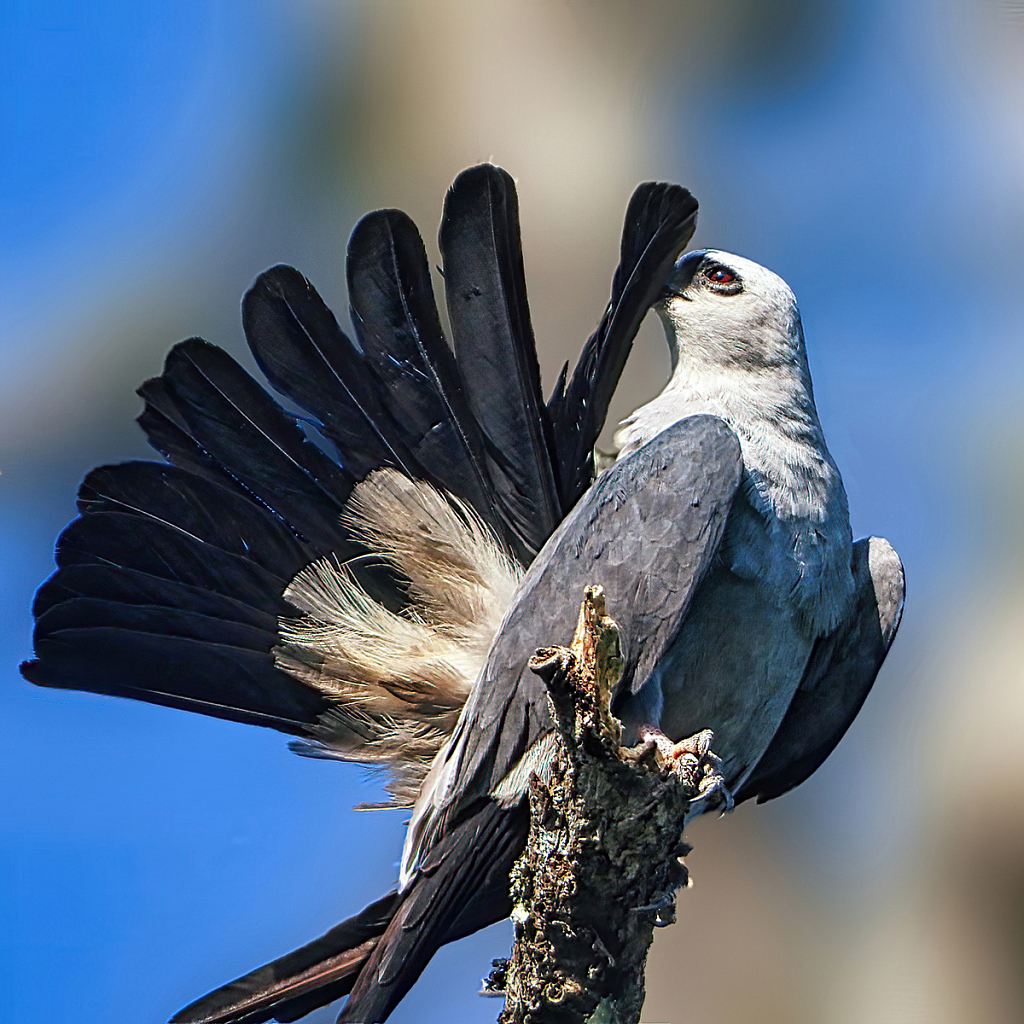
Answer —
(603, 860)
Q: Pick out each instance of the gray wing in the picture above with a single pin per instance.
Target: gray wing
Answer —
(839, 675)
(646, 531)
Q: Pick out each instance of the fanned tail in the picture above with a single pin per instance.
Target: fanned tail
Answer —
(172, 585)
(350, 601)
(169, 584)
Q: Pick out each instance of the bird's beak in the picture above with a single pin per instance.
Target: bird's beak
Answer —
(682, 274)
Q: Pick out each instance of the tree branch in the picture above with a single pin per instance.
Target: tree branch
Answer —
(603, 859)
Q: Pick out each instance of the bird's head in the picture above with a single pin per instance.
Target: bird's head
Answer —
(728, 311)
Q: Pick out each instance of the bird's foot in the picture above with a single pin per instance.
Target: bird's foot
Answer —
(663, 902)
(693, 758)
(714, 792)
(699, 744)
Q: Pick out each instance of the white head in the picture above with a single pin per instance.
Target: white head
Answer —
(727, 312)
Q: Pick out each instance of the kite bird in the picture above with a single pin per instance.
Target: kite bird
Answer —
(373, 579)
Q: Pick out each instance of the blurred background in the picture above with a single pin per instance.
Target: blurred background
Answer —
(155, 157)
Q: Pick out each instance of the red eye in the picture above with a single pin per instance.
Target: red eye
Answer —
(722, 276)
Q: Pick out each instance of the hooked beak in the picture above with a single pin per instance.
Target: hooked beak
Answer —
(682, 274)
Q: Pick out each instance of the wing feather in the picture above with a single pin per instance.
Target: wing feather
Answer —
(485, 290)
(660, 220)
(839, 676)
(685, 480)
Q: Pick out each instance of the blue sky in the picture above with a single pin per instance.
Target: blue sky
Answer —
(148, 173)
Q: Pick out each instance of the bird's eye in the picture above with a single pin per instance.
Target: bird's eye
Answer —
(722, 279)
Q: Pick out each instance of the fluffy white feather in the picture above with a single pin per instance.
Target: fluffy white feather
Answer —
(398, 681)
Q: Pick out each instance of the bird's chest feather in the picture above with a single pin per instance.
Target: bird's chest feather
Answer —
(733, 668)
(740, 652)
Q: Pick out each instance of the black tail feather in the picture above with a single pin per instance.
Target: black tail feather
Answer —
(485, 290)
(205, 547)
(242, 430)
(214, 679)
(396, 322)
(660, 220)
(308, 358)
(169, 589)
(89, 613)
(129, 586)
(212, 514)
(293, 985)
(116, 539)
(167, 431)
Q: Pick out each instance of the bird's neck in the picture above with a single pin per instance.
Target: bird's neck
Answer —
(771, 410)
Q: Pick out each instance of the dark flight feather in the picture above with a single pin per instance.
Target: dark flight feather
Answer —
(169, 585)
(87, 613)
(209, 678)
(306, 356)
(118, 539)
(142, 607)
(129, 586)
(243, 431)
(485, 290)
(380, 952)
(198, 508)
(839, 676)
(396, 323)
(462, 888)
(167, 432)
(291, 986)
(660, 220)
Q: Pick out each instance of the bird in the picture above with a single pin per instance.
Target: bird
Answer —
(372, 577)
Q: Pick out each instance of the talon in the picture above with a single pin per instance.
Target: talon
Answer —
(661, 901)
(713, 785)
(699, 744)
(697, 748)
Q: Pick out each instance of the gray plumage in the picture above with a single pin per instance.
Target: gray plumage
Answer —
(722, 538)
(752, 611)
(647, 531)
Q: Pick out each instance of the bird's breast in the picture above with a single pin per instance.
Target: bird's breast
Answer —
(733, 668)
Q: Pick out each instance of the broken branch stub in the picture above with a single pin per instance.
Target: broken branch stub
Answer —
(602, 863)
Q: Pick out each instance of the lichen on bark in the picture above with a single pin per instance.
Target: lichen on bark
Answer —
(603, 860)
